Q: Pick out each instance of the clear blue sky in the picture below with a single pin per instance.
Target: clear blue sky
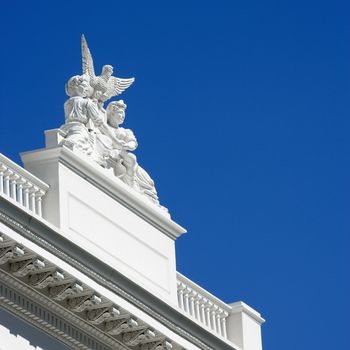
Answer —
(241, 109)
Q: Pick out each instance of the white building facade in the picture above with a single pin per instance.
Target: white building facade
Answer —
(87, 253)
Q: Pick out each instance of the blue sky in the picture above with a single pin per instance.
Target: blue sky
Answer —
(241, 110)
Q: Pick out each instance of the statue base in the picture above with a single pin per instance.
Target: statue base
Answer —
(101, 214)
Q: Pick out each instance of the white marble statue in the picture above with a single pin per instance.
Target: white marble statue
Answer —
(126, 166)
(94, 131)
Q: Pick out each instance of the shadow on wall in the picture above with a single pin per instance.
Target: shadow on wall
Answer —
(36, 337)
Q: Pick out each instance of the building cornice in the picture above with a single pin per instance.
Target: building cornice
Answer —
(45, 236)
(28, 304)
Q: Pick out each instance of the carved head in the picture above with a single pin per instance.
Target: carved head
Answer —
(116, 113)
(107, 70)
(78, 86)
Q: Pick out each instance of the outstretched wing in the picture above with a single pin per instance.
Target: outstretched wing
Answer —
(88, 63)
(116, 86)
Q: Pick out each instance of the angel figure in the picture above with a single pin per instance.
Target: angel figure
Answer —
(126, 166)
(105, 85)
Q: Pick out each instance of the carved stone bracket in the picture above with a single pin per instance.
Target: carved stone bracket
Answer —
(99, 315)
(9, 253)
(116, 327)
(62, 291)
(21, 268)
(138, 336)
(5, 254)
(43, 279)
(83, 302)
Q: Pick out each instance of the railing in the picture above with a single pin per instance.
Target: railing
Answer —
(21, 186)
(204, 307)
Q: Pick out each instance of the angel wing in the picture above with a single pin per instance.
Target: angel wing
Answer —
(88, 63)
(116, 86)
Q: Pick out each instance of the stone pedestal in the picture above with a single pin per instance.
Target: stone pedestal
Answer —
(244, 326)
(101, 214)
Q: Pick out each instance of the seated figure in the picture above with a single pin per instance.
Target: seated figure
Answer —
(125, 163)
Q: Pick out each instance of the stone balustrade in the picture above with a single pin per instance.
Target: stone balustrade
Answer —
(21, 186)
(204, 307)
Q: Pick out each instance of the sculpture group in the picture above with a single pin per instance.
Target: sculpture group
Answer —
(95, 131)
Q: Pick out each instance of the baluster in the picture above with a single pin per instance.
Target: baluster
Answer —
(192, 295)
(180, 294)
(7, 175)
(186, 291)
(207, 313)
(2, 170)
(213, 317)
(32, 193)
(39, 196)
(196, 306)
(202, 306)
(20, 183)
(27, 185)
(223, 324)
(14, 177)
(218, 322)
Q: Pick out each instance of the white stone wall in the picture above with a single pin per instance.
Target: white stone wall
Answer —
(108, 219)
(10, 341)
